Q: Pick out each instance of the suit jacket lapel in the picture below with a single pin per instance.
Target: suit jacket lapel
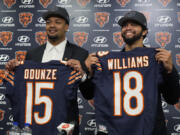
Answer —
(67, 52)
(40, 53)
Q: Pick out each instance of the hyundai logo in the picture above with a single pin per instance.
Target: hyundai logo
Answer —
(177, 128)
(164, 19)
(91, 123)
(145, 40)
(7, 19)
(118, 18)
(4, 57)
(81, 19)
(11, 117)
(41, 20)
(103, 1)
(64, 1)
(164, 104)
(2, 97)
(144, 1)
(23, 39)
(79, 100)
(178, 40)
(100, 39)
(27, 2)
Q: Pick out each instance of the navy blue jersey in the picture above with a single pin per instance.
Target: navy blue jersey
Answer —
(126, 91)
(42, 95)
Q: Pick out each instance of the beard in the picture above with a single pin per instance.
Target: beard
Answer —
(132, 40)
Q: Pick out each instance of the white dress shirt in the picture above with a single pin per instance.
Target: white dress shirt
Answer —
(52, 52)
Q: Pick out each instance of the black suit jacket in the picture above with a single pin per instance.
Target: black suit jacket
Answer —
(71, 52)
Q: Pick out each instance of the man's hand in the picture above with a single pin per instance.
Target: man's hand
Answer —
(11, 64)
(165, 57)
(76, 65)
(91, 59)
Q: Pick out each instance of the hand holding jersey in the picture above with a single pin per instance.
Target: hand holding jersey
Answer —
(165, 57)
(76, 65)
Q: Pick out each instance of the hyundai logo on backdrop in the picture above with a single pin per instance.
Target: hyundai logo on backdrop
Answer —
(164, 19)
(7, 19)
(177, 128)
(81, 19)
(27, 2)
(23, 39)
(4, 57)
(103, 1)
(64, 3)
(91, 123)
(2, 99)
(41, 20)
(143, 3)
(103, 4)
(100, 39)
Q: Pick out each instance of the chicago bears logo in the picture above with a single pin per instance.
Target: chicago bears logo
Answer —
(5, 37)
(177, 106)
(80, 38)
(165, 2)
(20, 55)
(2, 76)
(163, 38)
(9, 3)
(123, 3)
(91, 103)
(118, 40)
(101, 18)
(1, 114)
(178, 59)
(83, 3)
(25, 18)
(178, 14)
(45, 3)
(41, 37)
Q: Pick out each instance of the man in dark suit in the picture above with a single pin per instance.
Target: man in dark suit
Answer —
(59, 48)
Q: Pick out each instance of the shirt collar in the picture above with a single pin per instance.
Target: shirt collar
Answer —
(59, 47)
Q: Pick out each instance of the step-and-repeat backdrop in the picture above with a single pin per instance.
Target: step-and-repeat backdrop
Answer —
(94, 27)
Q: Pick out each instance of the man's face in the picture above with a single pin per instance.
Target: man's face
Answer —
(131, 32)
(56, 28)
